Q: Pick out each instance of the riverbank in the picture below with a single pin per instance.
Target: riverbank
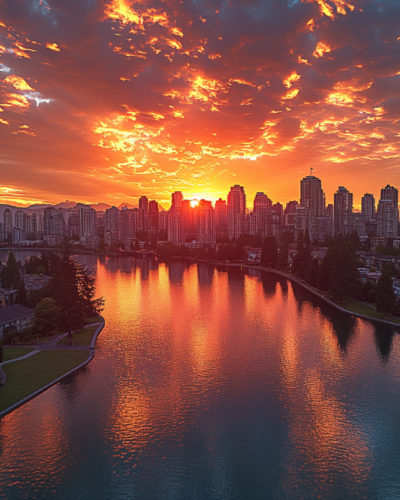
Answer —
(28, 376)
(353, 308)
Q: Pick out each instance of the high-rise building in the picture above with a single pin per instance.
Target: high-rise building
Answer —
(127, 229)
(368, 206)
(8, 225)
(87, 219)
(177, 198)
(343, 211)
(144, 205)
(387, 217)
(313, 199)
(175, 233)
(390, 193)
(205, 223)
(19, 222)
(262, 206)
(276, 221)
(311, 195)
(236, 211)
(153, 216)
(112, 225)
(163, 221)
(74, 223)
(54, 223)
(289, 215)
(100, 223)
(188, 221)
(221, 218)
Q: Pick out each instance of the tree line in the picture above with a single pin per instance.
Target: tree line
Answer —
(64, 304)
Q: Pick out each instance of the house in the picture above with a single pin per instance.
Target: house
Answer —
(7, 297)
(17, 316)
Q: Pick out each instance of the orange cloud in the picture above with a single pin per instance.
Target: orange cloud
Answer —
(53, 46)
(18, 83)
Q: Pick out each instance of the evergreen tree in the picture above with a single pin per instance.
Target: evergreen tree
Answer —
(22, 295)
(269, 252)
(313, 273)
(302, 259)
(345, 279)
(385, 296)
(11, 274)
(283, 259)
(325, 269)
(1, 352)
(46, 316)
(87, 291)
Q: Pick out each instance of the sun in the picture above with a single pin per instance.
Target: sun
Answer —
(194, 203)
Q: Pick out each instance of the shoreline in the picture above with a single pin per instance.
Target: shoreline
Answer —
(59, 379)
(299, 282)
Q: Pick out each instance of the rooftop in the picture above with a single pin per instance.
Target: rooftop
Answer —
(14, 312)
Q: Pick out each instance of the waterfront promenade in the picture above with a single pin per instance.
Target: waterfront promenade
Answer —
(53, 345)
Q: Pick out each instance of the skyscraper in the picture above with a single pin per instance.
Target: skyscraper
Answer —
(343, 211)
(112, 225)
(262, 206)
(205, 223)
(127, 227)
(368, 206)
(236, 211)
(144, 205)
(387, 217)
(153, 216)
(312, 198)
(175, 233)
(221, 218)
(87, 222)
(390, 193)
(8, 225)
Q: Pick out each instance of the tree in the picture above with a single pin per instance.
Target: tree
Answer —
(22, 295)
(344, 281)
(40, 271)
(269, 252)
(302, 259)
(385, 296)
(1, 352)
(46, 316)
(87, 291)
(283, 259)
(312, 277)
(11, 276)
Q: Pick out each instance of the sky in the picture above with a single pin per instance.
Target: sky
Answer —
(109, 100)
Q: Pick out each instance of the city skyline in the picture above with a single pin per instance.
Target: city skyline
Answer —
(147, 98)
(197, 223)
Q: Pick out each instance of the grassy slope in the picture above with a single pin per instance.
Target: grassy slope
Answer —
(360, 308)
(96, 319)
(27, 376)
(82, 337)
(15, 352)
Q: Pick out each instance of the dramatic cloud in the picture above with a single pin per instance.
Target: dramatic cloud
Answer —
(109, 100)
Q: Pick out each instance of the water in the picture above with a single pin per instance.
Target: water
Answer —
(211, 383)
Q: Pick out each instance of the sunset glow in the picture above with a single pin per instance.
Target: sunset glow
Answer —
(145, 98)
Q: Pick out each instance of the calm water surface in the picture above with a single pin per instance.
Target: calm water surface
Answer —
(211, 383)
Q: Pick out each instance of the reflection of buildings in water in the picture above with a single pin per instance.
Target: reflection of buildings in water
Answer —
(176, 268)
(253, 272)
(384, 340)
(145, 266)
(269, 282)
(114, 264)
(236, 279)
(205, 273)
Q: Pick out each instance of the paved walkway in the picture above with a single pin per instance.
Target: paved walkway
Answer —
(51, 345)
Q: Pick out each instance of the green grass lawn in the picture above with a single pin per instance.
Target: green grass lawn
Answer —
(27, 376)
(96, 319)
(15, 352)
(360, 308)
(82, 337)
